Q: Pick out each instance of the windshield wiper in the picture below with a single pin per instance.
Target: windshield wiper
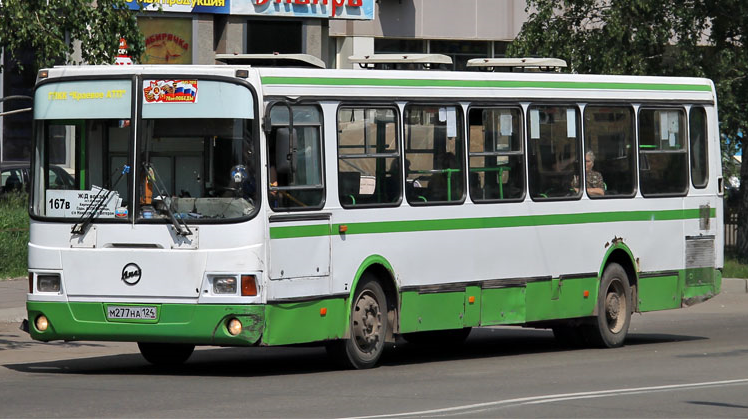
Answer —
(81, 225)
(181, 228)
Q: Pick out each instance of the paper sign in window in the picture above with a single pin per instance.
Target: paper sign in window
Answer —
(451, 122)
(535, 124)
(71, 203)
(505, 124)
(367, 186)
(571, 123)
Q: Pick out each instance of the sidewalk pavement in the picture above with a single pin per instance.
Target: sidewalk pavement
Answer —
(13, 300)
(13, 296)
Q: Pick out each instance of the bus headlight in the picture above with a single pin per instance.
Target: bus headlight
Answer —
(224, 285)
(41, 323)
(234, 326)
(48, 283)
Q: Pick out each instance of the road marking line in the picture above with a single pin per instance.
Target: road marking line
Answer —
(551, 398)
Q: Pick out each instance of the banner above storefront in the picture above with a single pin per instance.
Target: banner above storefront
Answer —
(185, 6)
(323, 9)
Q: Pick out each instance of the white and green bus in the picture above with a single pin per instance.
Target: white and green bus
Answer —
(235, 205)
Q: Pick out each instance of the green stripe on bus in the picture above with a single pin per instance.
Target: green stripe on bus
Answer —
(300, 231)
(510, 84)
(487, 222)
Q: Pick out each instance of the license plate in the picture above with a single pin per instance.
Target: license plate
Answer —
(130, 312)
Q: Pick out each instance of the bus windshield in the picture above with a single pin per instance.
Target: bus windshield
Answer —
(194, 157)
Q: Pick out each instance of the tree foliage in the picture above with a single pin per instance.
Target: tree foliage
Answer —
(701, 38)
(49, 27)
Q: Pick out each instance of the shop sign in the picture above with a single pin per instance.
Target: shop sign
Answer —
(326, 9)
(167, 40)
(184, 6)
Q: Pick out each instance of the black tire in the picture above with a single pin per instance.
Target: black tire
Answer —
(165, 353)
(368, 328)
(614, 306)
(438, 338)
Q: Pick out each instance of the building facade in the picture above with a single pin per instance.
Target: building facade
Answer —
(194, 31)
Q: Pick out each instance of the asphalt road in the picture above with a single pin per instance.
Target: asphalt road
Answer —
(691, 362)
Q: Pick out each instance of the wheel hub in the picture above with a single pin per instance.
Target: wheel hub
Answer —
(367, 322)
(613, 306)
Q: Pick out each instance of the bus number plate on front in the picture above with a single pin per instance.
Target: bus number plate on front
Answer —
(123, 312)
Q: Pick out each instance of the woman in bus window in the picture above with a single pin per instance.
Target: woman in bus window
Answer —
(595, 183)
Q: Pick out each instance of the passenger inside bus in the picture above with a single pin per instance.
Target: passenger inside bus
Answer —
(594, 180)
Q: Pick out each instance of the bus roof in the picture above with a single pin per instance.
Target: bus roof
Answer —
(472, 84)
(389, 84)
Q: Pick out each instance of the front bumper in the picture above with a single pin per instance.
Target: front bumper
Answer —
(200, 324)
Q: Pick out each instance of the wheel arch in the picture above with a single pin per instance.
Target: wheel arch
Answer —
(380, 268)
(621, 254)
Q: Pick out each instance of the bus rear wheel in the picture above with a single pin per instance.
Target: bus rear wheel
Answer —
(165, 353)
(368, 327)
(613, 309)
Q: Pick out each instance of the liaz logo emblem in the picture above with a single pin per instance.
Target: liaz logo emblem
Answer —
(131, 274)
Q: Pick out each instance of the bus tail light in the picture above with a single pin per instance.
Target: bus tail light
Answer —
(31, 282)
(249, 285)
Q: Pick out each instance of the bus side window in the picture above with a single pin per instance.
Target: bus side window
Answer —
(495, 153)
(609, 135)
(699, 149)
(295, 158)
(368, 157)
(663, 157)
(554, 152)
(434, 155)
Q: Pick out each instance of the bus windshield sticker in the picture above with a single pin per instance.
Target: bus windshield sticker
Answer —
(107, 99)
(170, 91)
(505, 124)
(571, 123)
(535, 124)
(70, 203)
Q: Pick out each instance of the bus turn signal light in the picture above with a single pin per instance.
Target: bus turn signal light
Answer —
(249, 285)
(323, 311)
(586, 294)
(471, 299)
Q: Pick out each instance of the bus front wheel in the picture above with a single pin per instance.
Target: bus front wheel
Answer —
(165, 353)
(614, 305)
(368, 327)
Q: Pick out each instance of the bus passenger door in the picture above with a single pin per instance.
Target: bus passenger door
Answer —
(299, 233)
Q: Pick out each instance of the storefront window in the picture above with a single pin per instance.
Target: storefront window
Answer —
(267, 37)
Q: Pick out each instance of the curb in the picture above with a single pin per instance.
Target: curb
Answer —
(736, 285)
